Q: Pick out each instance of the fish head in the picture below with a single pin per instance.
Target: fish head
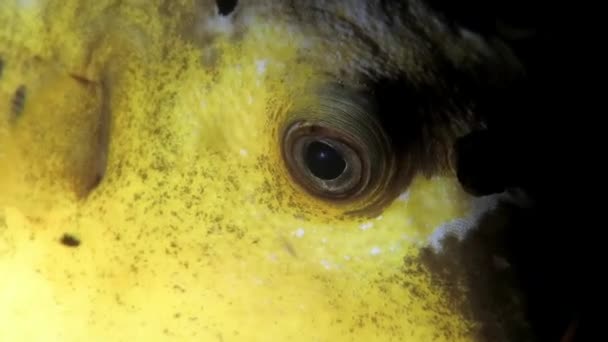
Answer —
(169, 171)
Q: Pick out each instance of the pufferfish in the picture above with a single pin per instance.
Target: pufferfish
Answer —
(196, 170)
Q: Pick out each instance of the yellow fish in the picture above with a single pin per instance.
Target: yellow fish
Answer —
(253, 171)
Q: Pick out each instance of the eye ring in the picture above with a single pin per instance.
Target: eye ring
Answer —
(345, 122)
(301, 135)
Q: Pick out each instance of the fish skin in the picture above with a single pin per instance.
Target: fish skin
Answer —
(150, 134)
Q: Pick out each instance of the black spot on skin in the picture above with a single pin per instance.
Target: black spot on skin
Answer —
(1, 67)
(225, 7)
(18, 101)
(69, 240)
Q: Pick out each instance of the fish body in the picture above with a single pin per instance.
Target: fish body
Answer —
(144, 193)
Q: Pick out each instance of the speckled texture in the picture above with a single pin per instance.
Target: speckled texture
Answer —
(193, 228)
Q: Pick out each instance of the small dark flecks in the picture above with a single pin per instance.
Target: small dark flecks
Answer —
(69, 240)
(18, 101)
(118, 300)
(179, 288)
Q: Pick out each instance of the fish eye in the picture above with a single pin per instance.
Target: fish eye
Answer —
(335, 148)
(324, 160)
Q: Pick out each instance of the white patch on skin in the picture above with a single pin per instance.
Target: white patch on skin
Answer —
(27, 3)
(260, 66)
(457, 228)
(324, 240)
(366, 225)
(326, 264)
(347, 257)
(243, 152)
(404, 197)
(460, 227)
(220, 24)
(375, 251)
(379, 218)
(299, 233)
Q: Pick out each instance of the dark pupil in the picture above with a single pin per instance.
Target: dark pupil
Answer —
(324, 161)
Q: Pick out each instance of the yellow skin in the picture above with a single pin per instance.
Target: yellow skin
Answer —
(197, 231)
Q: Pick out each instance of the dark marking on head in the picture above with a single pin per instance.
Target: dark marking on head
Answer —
(480, 164)
(225, 7)
(94, 168)
(69, 240)
(478, 281)
(18, 101)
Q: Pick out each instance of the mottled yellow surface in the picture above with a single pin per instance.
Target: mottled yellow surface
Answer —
(196, 231)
